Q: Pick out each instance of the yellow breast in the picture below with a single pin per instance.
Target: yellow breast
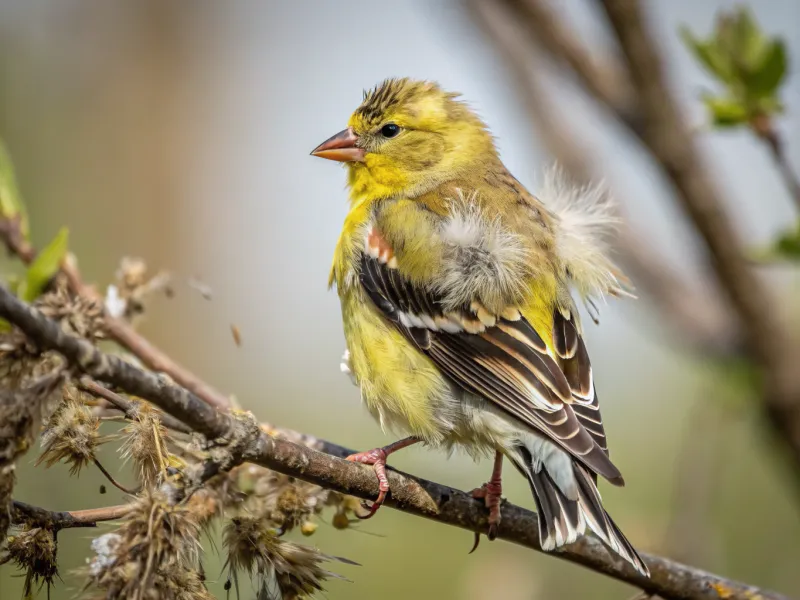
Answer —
(401, 386)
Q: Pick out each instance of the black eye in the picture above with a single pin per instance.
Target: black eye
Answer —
(390, 130)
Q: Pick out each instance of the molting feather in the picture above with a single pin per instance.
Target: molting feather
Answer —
(483, 260)
(585, 218)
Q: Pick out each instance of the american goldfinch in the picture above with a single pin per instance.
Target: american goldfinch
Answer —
(455, 287)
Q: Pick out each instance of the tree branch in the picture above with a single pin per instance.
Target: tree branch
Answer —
(668, 138)
(116, 328)
(696, 318)
(410, 494)
(157, 360)
(56, 520)
(656, 121)
(603, 78)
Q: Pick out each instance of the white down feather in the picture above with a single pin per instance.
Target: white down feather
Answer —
(586, 219)
(483, 260)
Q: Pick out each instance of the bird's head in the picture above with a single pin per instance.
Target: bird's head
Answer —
(406, 138)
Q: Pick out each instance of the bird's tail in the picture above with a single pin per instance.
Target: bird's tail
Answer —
(562, 520)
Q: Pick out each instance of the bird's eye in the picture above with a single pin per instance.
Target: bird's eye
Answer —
(390, 130)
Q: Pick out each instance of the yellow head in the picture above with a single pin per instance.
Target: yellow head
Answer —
(406, 138)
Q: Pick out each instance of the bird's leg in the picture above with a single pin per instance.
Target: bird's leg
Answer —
(491, 493)
(377, 458)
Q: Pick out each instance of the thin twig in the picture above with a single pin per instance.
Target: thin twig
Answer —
(764, 128)
(23, 512)
(128, 407)
(158, 360)
(602, 77)
(409, 494)
(111, 479)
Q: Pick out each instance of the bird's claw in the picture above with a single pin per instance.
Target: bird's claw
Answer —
(491, 494)
(377, 458)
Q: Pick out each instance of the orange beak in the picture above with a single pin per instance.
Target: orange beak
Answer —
(341, 147)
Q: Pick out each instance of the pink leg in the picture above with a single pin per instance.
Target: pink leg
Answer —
(377, 458)
(491, 492)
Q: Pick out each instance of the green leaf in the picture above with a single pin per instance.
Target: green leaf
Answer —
(710, 56)
(788, 244)
(11, 205)
(785, 247)
(45, 267)
(767, 76)
(726, 112)
(769, 105)
(749, 41)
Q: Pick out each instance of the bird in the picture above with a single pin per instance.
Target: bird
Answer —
(456, 288)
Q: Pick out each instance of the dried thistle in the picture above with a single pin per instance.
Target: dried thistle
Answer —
(21, 363)
(204, 505)
(127, 298)
(285, 502)
(20, 418)
(185, 585)
(33, 551)
(145, 445)
(289, 502)
(153, 555)
(72, 434)
(345, 507)
(78, 315)
(284, 570)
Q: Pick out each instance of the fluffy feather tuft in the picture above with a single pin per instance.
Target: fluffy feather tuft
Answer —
(585, 220)
(483, 260)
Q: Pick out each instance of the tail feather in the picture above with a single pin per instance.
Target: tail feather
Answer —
(562, 520)
(601, 523)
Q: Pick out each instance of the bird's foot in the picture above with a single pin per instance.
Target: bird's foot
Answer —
(491, 493)
(377, 458)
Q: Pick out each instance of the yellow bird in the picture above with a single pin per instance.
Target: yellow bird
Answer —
(455, 290)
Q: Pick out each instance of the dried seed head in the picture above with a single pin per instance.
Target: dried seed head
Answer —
(127, 298)
(185, 585)
(21, 413)
(145, 445)
(294, 505)
(283, 501)
(204, 506)
(78, 315)
(131, 274)
(294, 570)
(33, 551)
(21, 363)
(72, 434)
(154, 554)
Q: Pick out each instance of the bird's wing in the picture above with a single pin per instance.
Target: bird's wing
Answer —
(574, 359)
(498, 357)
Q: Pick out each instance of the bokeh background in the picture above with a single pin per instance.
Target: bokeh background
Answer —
(179, 131)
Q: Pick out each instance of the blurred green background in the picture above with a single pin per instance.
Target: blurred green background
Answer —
(179, 131)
